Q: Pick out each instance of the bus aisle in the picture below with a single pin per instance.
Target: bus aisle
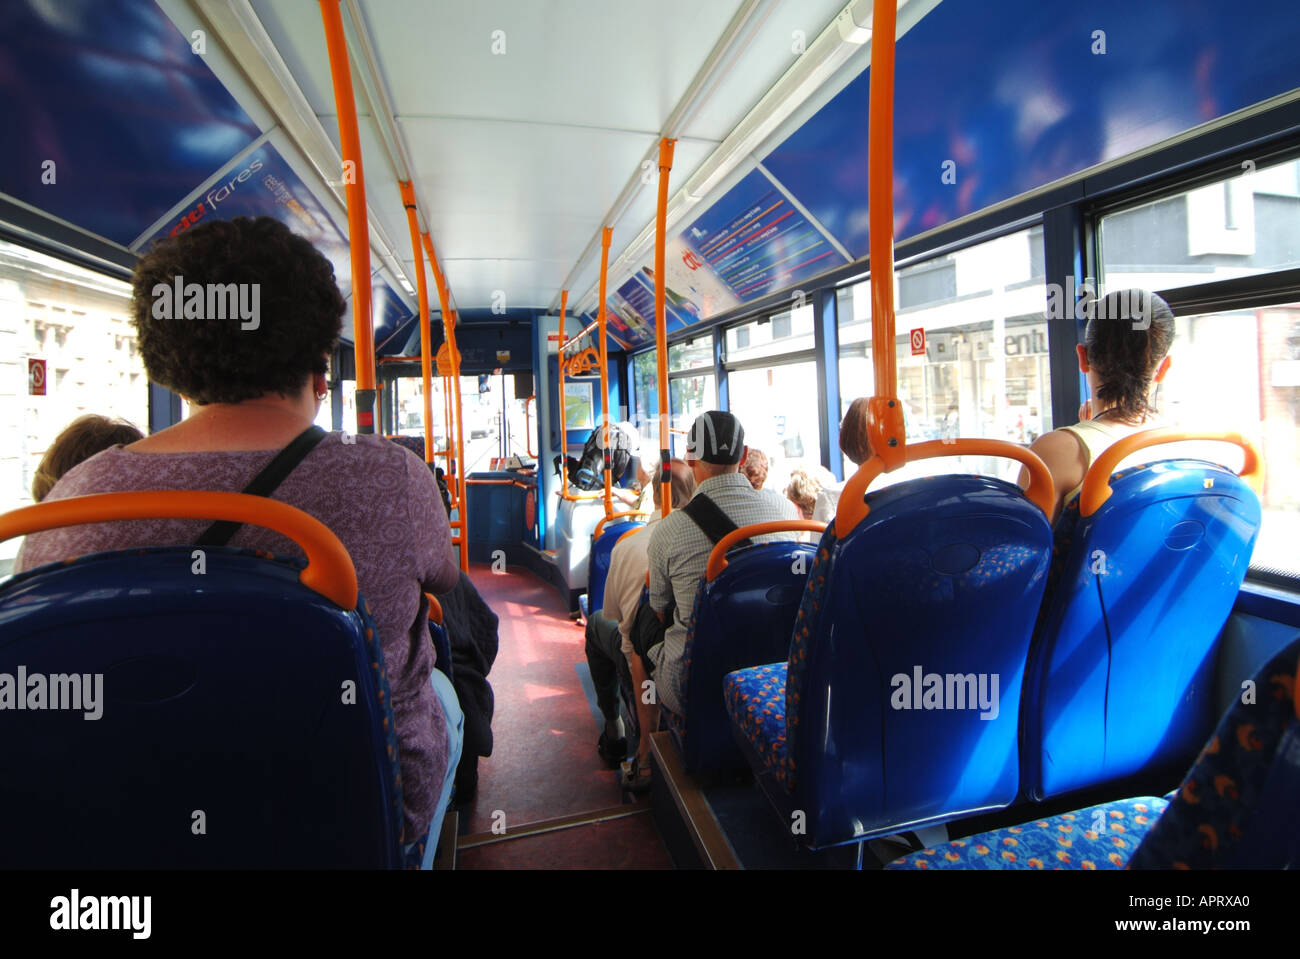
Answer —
(544, 771)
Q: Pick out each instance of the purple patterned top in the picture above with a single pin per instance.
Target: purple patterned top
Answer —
(378, 498)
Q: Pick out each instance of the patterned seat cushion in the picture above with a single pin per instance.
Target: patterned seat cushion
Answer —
(1214, 808)
(413, 443)
(755, 700)
(1099, 837)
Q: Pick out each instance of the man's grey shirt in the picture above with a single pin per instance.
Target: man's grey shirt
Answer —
(679, 554)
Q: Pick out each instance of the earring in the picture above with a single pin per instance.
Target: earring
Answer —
(321, 396)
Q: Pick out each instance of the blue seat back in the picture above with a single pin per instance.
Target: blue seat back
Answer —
(1122, 661)
(245, 721)
(943, 578)
(602, 548)
(744, 618)
(1238, 806)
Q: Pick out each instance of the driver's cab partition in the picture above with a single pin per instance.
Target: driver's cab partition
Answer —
(502, 518)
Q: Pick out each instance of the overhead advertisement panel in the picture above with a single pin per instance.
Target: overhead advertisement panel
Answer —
(261, 183)
(995, 100)
(750, 243)
(110, 115)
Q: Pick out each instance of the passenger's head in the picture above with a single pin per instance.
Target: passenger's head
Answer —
(715, 445)
(682, 482)
(1125, 349)
(805, 483)
(755, 467)
(81, 439)
(235, 309)
(853, 432)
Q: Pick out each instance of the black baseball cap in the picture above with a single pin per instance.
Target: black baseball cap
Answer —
(716, 437)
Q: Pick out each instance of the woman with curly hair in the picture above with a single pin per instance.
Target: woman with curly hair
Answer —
(255, 377)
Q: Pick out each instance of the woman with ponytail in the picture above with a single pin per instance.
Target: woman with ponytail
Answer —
(1125, 355)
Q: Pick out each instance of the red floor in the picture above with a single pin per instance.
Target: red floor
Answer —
(544, 763)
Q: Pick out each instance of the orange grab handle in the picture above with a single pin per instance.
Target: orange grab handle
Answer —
(329, 567)
(578, 497)
(718, 558)
(852, 510)
(435, 609)
(1096, 484)
(627, 514)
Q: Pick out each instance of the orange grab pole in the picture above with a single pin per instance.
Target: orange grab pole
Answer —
(358, 221)
(461, 503)
(564, 423)
(852, 510)
(626, 514)
(661, 324)
(440, 283)
(1096, 483)
(454, 412)
(605, 237)
(329, 570)
(885, 430)
(426, 358)
(718, 556)
(880, 184)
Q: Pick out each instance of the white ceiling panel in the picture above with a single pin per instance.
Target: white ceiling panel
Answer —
(519, 154)
(764, 60)
(619, 64)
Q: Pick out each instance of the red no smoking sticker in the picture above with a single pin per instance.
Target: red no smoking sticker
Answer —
(36, 377)
(918, 342)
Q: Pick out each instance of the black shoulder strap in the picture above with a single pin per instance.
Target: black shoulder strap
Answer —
(710, 518)
(266, 482)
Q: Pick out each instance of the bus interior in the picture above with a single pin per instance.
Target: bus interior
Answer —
(554, 222)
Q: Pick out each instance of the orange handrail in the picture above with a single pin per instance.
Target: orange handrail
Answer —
(440, 284)
(329, 569)
(661, 324)
(435, 609)
(426, 352)
(582, 362)
(564, 423)
(461, 504)
(559, 363)
(885, 429)
(880, 186)
(605, 235)
(1096, 483)
(626, 514)
(455, 422)
(852, 510)
(354, 188)
(718, 557)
